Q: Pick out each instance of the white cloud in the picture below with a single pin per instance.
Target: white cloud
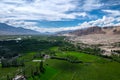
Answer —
(91, 5)
(18, 12)
(104, 21)
(112, 3)
(112, 12)
(39, 9)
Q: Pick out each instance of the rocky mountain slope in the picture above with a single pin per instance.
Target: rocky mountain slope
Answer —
(87, 31)
(97, 30)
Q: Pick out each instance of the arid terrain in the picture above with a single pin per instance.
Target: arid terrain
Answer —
(103, 37)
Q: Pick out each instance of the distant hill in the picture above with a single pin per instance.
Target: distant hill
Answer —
(90, 30)
(10, 30)
(94, 30)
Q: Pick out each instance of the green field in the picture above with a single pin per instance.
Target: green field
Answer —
(93, 68)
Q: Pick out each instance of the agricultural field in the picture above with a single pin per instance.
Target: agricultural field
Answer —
(92, 68)
(60, 63)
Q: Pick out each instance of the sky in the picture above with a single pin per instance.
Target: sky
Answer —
(59, 15)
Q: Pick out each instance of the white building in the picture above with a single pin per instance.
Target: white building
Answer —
(19, 77)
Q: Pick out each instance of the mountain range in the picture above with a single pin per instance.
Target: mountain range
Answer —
(10, 30)
(110, 30)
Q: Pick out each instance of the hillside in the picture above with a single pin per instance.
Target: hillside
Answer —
(10, 30)
(91, 30)
(104, 36)
(97, 30)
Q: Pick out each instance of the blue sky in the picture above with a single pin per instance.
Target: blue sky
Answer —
(59, 15)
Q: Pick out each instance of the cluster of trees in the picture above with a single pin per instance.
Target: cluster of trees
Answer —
(36, 71)
(11, 63)
(87, 49)
(116, 51)
(26, 45)
(66, 46)
(98, 52)
(7, 53)
(43, 53)
(39, 70)
(93, 50)
(115, 57)
(69, 58)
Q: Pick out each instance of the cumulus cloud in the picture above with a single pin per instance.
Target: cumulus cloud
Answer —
(21, 13)
(39, 9)
(104, 21)
(16, 12)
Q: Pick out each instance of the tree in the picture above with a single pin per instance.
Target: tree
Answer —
(4, 63)
(42, 69)
(32, 73)
(8, 78)
(14, 63)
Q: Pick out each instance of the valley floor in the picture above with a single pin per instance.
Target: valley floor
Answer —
(92, 68)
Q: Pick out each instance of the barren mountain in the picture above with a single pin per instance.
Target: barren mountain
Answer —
(97, 30)
(105, 36)
(87, 31)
